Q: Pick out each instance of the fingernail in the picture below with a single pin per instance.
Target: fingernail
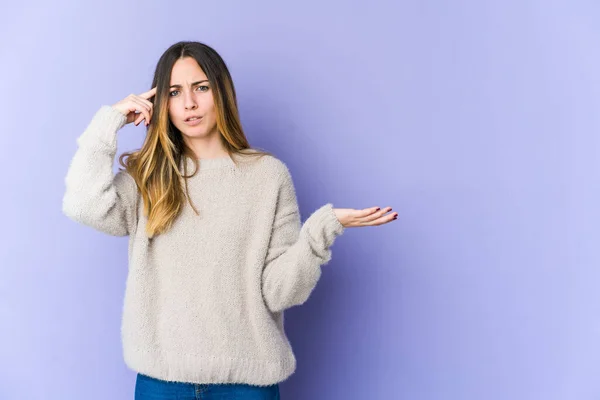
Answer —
(378, 208)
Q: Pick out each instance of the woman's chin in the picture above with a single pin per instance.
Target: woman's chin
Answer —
(195, 133)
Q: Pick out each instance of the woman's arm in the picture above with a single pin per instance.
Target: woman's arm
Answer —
(296, 252)
(94, 195)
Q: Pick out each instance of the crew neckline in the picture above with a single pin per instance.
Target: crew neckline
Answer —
(213, 163)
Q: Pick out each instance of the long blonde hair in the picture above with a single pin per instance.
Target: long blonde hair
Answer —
(155, 167)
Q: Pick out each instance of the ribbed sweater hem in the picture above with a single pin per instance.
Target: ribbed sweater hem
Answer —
(205, 369)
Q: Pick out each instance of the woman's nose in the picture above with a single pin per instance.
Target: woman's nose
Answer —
(190, 104)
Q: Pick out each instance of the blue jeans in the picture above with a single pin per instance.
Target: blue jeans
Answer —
(149, 388)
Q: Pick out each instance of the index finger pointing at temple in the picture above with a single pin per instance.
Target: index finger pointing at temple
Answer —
(149, 93)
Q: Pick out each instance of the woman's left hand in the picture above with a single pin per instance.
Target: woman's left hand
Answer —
(372, 216)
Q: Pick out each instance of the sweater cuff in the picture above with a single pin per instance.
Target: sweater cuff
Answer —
(104, 126)
(324, 226)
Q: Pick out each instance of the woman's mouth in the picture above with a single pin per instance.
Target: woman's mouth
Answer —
(193, 121)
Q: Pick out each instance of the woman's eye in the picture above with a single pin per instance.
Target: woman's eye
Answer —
(177, 91)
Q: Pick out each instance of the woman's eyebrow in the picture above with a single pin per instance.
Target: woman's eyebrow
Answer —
(193, 83)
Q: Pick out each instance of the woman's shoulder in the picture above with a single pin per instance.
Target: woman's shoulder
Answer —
(267, 164)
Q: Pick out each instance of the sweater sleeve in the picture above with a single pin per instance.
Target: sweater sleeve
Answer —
(296, 252)
(94, 195)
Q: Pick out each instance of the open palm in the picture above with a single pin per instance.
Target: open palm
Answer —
(372, 216)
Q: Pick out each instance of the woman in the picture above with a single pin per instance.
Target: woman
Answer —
(216, 255)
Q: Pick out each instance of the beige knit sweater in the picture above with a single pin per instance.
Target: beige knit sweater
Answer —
(204, 302)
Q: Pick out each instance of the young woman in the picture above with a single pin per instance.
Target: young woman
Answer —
(217, 250)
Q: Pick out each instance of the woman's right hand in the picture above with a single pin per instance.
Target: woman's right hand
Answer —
(132, 103)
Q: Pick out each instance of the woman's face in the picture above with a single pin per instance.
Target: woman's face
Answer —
(190, 95)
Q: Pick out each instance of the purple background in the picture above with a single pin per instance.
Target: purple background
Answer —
(477, 121)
